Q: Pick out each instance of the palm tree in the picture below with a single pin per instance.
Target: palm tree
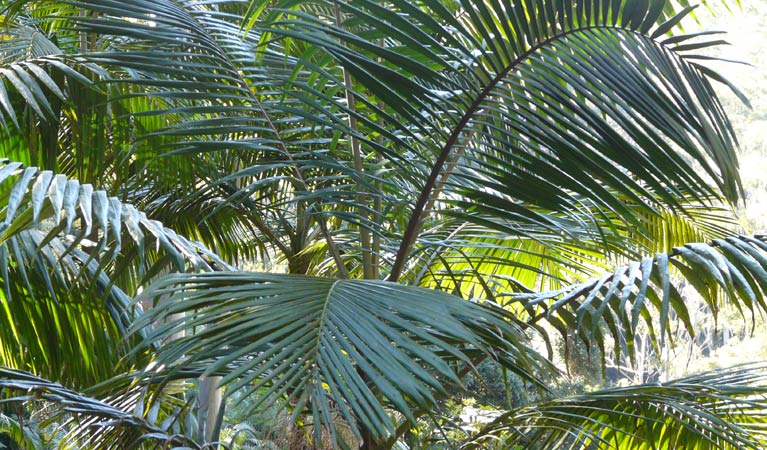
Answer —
(443, 181)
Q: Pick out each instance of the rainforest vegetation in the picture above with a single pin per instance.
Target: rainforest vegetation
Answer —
(367, 224)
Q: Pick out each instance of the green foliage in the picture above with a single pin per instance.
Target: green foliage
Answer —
(343, 342)
(59, 241)
(504, 154)
(706, 411)
(106, 424)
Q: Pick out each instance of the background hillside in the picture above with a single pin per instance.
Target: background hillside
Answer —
(745, 32)
(731, 340)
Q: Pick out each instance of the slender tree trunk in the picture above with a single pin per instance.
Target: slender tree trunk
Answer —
(211, 405)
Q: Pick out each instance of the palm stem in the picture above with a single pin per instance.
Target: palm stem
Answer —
(365, 241)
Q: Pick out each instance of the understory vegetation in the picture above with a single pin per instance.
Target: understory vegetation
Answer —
(364, 224)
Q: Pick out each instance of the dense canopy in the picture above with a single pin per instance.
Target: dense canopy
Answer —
(340, 210)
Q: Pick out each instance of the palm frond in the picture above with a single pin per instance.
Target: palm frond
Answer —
(59, 240)
(721, 409)
(90, 218)
(731, 269)
(90, 130)
(90, 418)
(254, 116)
(430, 82)
(329, 348)
(518, 126)
(457, 256)
(33, 66)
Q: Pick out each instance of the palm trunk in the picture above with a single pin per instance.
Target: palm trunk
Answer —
(211, 409)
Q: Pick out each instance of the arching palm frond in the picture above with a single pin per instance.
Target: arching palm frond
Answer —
(644, 292)
(45, 201)
(67, 120)
(239, 107)
(722, 409)
(31, 65)
(529, 134)
(345, 349)
(477, 261)
(59, 243)
(522, 123)
(43, 402)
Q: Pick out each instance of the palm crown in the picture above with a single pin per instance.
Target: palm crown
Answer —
(528, 156)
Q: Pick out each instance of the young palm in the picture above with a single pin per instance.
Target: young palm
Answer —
(491, 149)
